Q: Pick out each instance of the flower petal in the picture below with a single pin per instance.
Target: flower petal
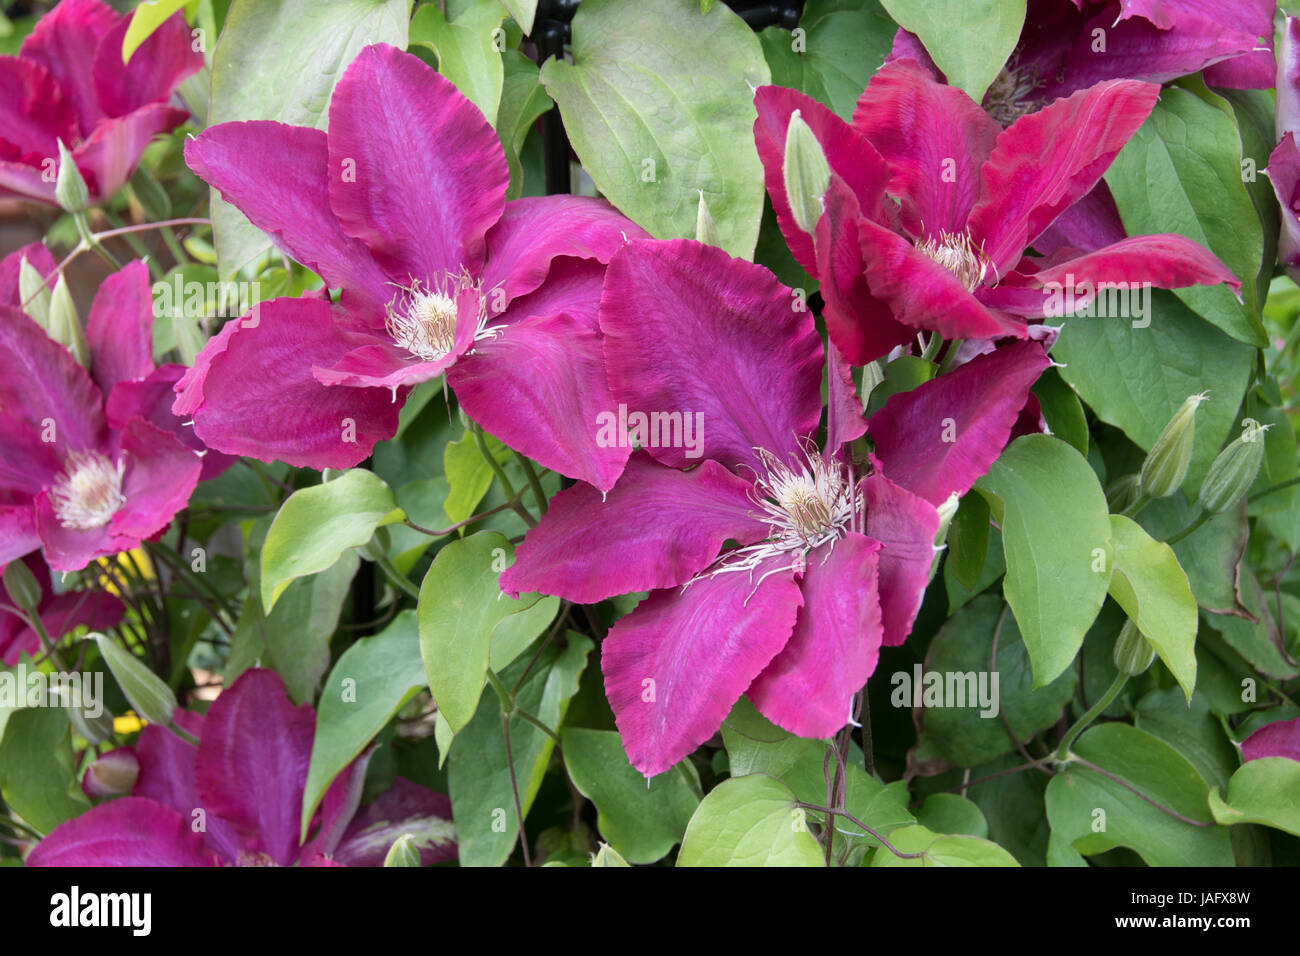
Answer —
(131, 831)
(689, 329)
(1166, 261)
(167, 777)
(675, 666)
(251, 391)
(540, 387)
(1284, 173)
(156, 67)
(1047, 161)
(252, 762)
(808, 688)
(277, 176)
(934, 138)
(656, 529)
(940, 437)
(151, 399)
(905, 525)
(35, 114)
(36, 255)
(430, 175)
(120, 328)
(112, 152)
(404, 808)
(65, 42)
(160, 477)
(1278, 739)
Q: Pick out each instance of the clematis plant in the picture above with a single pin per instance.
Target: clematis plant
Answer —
(401, 205)
(930, 207)
(58, 613)
(68, 85)
(1284, 162)
(236, 798)
(825, 566)
(85, 468)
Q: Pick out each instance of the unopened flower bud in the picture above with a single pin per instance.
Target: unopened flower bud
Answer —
(96, 729)
(807, 174)
(34, 293)
(608, 856)
(1235, 468)
(1166, 465)
(403, 852)
(69, 188)
(1122, 493)
(150, 697)
(65, 324)
(22, 586)
(706, 229)
(947, 511)
(1133, 653)
(111, 775)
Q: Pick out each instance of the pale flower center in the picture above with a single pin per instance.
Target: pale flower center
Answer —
(88, 492)
(805, 507)
(957, 254)
(423, 318)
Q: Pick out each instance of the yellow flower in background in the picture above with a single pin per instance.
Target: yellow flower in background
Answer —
(128, 723)
(128, 561)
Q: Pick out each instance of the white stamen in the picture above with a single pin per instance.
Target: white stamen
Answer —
(958, 255)
(88, 492)
(423, 318)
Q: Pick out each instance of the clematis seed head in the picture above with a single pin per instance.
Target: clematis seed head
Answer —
(88, 492)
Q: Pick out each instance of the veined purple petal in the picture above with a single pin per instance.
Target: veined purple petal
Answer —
(132, 831)
(689, 329)
(17, 537)
(167, 777)
(905, 525)
(110, 155)
(35, 114)
(808, 688)
(1287, 112)
(119, 330)
(844, 421)
(252, 762)
(1090, 224)
(675, 666)
(1284, 173)
(159, 478)
(151, 399)
(1166, 261)
(156, 68)
(1278, 739)
(656, 529)
(65, 42)
(404, 808)
(430, 175)
(939, 438)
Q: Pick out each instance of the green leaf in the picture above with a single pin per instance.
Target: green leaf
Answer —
(749, 821)
(1192, 730)
(641, 819)
(478, 775)
(523, 100)
(1151, 587)
(901, 375)
(469, 476)
(371, 681)
(523, 12)
(147, 17)
(1264, 791)
(941, 850)
(316, 525)
(969, 40)
(1056, 536)
(964, 645)
(1210, 555)
(467, 49)
(1181, 173)
(1136, 379)
(253, 79)
(148, 694)
(657, 114)
(37, 779)
(968, 539)
(461, 604)
(950, 813)
(1090, 813)
(1062, 409)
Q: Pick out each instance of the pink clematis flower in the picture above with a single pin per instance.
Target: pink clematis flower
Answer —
(824, 568)
(402, 206)
(236, 798)
(1278, 739)
(85, 470)
(1284, 162)
(68, 83)
(59, 613)
(951, 254)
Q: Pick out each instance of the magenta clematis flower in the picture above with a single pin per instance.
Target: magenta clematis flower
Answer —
(1069, 45)
(950, 255)
(824, 567)
(236, 798)
(402, 206)
(68, 83)
(84, 469)
(1284, 162)
(59, 613)
(1278, 739)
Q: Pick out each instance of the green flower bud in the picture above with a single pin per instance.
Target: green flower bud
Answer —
(947, 511)
(807, 174)
(69, 188)
(21, 585)
(1133, 653)
(706, 229)
(149, 696)
(94, 729)
(1235, 468)
(65, 324)
(608, 856)
(1122, 493)
(403, 852)
(1166, 466)
(112, 774)
(35, 294)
